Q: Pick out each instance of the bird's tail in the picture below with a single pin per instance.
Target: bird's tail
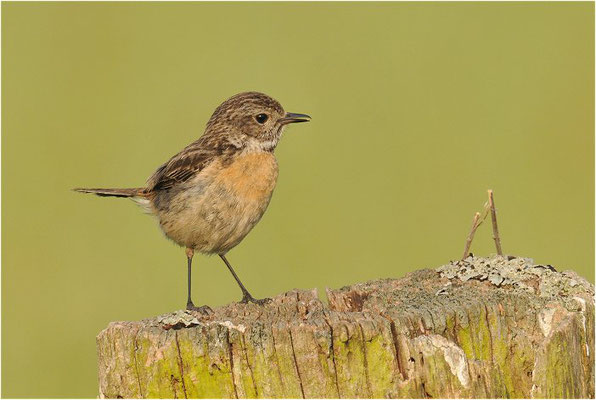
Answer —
(131, 192)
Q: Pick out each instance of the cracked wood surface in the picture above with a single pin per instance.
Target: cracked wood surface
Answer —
(477, 328)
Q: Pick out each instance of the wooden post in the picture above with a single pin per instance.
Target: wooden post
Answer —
(476, 328)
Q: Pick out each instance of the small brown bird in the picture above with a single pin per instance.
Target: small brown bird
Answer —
(213, 192)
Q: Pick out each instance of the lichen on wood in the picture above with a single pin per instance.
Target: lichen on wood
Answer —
(475, 328)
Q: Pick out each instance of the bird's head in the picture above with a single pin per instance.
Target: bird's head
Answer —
(251, 120)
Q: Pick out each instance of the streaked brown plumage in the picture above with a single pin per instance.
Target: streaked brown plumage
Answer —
(213, 192)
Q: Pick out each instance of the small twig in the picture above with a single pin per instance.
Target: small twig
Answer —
(471, 235)
(493, 213)
(478, 220)
(484, 213)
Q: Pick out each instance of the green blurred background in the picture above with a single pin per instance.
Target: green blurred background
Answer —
(417, 109)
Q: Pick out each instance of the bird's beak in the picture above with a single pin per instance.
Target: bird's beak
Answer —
(291, 118)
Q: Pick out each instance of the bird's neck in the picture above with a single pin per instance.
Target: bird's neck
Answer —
(258, 146)
(242, 143)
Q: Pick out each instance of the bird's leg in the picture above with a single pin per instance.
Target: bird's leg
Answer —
(246, 296)
(189, 304)
(189, 254)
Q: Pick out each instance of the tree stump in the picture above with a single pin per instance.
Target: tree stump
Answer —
(482, 327)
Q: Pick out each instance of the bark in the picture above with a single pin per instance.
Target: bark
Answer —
(476, 328)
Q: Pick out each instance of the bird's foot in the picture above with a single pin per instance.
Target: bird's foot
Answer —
(205, 310)
(247, 298)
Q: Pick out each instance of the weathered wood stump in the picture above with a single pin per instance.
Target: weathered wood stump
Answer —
(482, 327)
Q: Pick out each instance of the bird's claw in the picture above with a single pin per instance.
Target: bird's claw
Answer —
(247, 298)
(205, 310)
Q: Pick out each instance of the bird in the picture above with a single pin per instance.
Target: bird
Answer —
(211, 194)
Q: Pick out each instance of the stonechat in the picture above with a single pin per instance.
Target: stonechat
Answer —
(213, 192)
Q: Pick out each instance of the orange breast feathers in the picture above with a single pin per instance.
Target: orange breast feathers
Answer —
(250, 176)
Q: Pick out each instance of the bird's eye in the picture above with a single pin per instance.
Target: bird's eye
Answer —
(262, 118)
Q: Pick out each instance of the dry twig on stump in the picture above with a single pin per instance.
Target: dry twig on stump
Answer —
(478, 219)
(493, 213)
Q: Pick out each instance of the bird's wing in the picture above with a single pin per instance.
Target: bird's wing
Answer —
(182, 166)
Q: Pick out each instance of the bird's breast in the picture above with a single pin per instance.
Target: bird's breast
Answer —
(250, 177)
(218, 208)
